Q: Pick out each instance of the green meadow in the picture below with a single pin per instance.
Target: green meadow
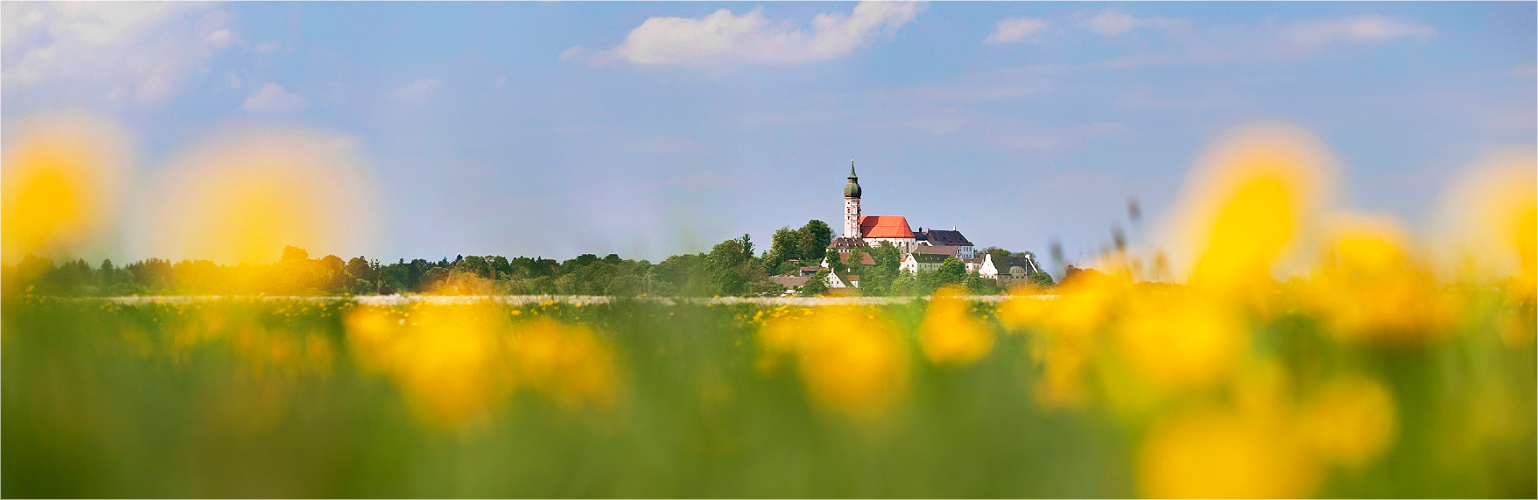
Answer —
(239, 398)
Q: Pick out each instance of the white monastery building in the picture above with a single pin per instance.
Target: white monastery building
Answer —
(921, 250)
(870, 231)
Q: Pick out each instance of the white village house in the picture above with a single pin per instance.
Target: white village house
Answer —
(1009, 270)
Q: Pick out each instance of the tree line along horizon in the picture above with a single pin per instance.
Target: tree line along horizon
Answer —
(730, 268)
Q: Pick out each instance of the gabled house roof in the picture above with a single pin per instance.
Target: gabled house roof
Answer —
(1003, 265)
(928, 258)
(836, 280)
(842, 243)
(789, 281)
(945, 237)
(938, 249)
(885, 226)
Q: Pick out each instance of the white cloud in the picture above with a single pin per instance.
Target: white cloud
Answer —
(417, 88)
(1014, 29)
(1114, 22)
(723, 37)
(1367, 28)
(89, 22)
(271, 98)
(143, 52)
(221, 38)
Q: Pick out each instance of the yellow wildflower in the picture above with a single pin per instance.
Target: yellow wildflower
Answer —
(59, 184)
(1216, 454)
(1352, 420)
(1064, 332)
(1369, 288)
(949, 334)
(565, 363)
(447, 360)
(1180, 341)
(851, 360)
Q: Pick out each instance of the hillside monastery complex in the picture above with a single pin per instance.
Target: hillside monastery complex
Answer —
(922, 250)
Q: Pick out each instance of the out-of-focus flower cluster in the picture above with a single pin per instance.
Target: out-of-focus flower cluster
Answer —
(1218, 414)
(454, 363)
(851, 358)
(1223, 417)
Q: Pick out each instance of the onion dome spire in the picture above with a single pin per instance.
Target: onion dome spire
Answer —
(852, 190)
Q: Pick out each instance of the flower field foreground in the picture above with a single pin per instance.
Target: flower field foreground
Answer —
(1284, 348)
(1111, 390)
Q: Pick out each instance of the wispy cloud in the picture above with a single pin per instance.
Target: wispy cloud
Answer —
(421, 87)
(1215, 44)
(1368, 28)
(751, 38)
(141, 53)
(272, 98)
(221, 38)
(1115, 22)
(1014, 29)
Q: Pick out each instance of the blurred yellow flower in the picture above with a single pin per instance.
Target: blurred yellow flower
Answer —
(1249, 200)
(1369, 288)
(1488, 221)
(1064, 332)
(565, 363)
(1082, 306)
(455, 362)
(949, 334)
(243, 197)
(1181, 341)
(1214, 454)
(1248, 234)
(448, 360)
(1062, 381)
(851, 360)
(58, 184)
(1351, 421)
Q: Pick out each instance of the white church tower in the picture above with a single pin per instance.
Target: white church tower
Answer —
(852, 205)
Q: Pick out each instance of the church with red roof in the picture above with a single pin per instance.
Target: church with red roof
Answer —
(871, 230)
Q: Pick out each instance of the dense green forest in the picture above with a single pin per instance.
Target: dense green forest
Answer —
(731, 268)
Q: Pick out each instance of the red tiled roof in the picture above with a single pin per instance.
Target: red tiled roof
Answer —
(885, 226)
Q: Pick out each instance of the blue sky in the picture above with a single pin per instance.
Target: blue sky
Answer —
(649, 129)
